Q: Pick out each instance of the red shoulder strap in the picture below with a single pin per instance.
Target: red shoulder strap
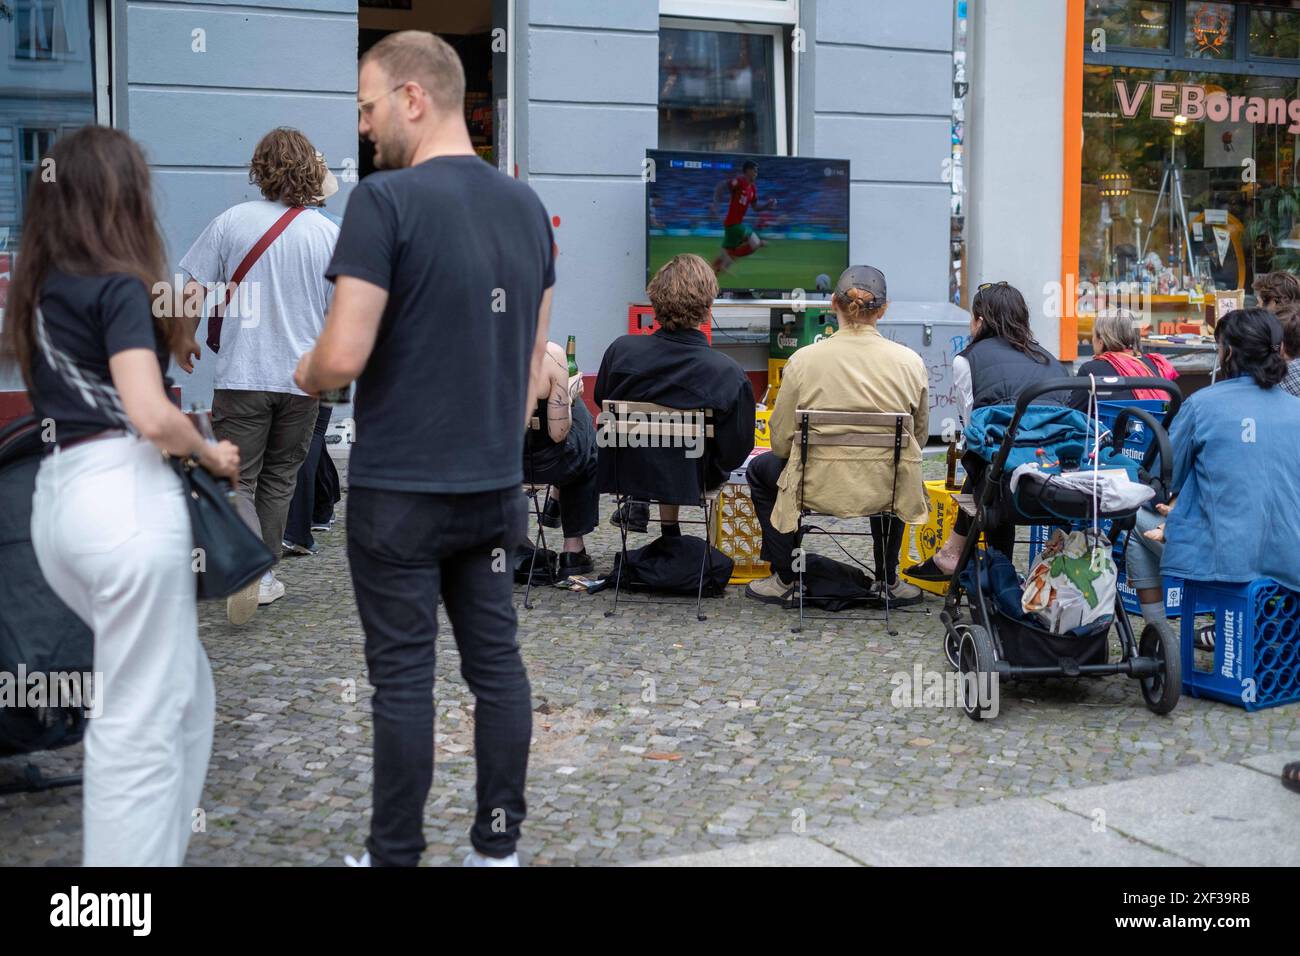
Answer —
(255, 253)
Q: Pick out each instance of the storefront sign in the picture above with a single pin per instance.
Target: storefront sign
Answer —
(1168, 100)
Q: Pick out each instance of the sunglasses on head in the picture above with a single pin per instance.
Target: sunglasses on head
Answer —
(988, 285)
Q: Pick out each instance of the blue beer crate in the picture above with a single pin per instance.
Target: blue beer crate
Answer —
(1256, 643)
(1139, 436)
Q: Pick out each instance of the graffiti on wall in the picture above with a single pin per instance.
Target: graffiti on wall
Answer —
(944, 397)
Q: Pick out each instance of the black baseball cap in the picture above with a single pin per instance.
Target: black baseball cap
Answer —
(866, 278)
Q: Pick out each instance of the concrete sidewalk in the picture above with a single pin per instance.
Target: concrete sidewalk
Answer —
(1216, 814)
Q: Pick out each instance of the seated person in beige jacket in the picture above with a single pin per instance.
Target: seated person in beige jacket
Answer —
(855, 370)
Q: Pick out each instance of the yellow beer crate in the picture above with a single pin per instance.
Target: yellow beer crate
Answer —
(762, 435)
(775, 368)
(923, 540)
(736, 532)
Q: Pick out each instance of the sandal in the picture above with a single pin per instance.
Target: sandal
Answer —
(1291, 777)
(927, 570)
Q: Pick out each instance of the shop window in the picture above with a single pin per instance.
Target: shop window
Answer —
(721, 90)
(1207, 31)
(1135, 24)
(1189, 179)
(1274, 33)
(1191, 148)
(40, 30)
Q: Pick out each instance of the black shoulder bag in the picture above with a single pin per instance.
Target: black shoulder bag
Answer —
(229, 555)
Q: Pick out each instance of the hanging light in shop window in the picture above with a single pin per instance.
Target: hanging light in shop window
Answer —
(1113, 184)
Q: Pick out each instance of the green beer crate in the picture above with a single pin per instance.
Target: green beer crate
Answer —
(791, 330)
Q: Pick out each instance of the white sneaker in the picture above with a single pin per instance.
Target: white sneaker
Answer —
(476, 858)
(269, 592)
(351, 860)
(241, 605)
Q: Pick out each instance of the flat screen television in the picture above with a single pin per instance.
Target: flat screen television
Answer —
(767, 224)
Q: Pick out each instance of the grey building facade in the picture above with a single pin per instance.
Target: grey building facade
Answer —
(573, 92)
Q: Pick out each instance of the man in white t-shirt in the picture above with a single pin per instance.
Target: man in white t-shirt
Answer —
(273, 317)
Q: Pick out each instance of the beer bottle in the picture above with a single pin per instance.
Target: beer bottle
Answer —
(956, 448)
(571, 351)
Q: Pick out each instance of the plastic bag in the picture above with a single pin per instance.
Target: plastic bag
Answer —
(1072, 582)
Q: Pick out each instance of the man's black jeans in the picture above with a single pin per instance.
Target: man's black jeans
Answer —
(406, 549)
(778, 546)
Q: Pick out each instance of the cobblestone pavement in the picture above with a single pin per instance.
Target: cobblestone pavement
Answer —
(750, 729)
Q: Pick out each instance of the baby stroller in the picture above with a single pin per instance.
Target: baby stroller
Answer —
(983, 641)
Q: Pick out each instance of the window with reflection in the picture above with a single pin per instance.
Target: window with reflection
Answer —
(717, 91)
(47, 88)
(1190, 164)
(1136, 24)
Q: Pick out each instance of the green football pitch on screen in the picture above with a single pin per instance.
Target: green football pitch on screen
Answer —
(780, 264)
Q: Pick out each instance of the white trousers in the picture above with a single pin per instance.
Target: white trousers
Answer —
(112, 536)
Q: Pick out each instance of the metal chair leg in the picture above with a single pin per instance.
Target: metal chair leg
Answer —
(538, 542)
(888, 630)
(802, 559)
(699, 592)
(618, 575)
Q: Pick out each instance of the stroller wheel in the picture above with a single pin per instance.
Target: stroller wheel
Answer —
(1162, 690)
(975, 663)
(952, 644)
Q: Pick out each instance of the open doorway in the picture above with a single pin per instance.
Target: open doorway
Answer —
(477, 30)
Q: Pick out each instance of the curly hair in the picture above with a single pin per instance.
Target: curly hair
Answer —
(682, 292)
(287, 168)
(1288, 313)
(1274, 288)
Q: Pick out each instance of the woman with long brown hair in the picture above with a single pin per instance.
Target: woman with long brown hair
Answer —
(109, 523)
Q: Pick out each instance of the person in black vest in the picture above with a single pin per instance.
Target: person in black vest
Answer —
(1001, 360)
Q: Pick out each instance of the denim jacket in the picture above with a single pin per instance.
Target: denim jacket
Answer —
(1236, 470)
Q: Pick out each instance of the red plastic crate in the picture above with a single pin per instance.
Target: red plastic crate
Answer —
(641, 321)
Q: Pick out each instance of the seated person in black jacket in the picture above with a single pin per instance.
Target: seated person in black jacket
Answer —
(562, 453)
(676, 368)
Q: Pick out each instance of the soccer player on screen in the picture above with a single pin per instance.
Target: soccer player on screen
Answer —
(737, 238)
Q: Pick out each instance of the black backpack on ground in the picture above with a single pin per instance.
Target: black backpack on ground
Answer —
(672, 566)
(831, 585)
(546, 569)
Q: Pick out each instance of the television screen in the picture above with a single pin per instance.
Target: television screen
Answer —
(766, 223)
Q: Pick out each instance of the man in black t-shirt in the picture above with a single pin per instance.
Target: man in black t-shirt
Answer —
(443, 275)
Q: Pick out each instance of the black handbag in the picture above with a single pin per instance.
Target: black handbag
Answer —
(228, 554)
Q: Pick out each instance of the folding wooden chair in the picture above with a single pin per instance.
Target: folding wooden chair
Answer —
(867, 430)
(540, 496)
(645, 425)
